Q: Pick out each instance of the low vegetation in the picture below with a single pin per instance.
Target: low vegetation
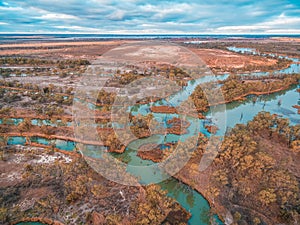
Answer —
(236, 88)
(75, 194)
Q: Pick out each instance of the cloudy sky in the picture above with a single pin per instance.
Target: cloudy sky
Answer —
(146, 17)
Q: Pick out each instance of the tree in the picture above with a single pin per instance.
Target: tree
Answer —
(267, 196)
(237, 216)
(256, 221)
(3, 144)
(3, 214)
(25, 125)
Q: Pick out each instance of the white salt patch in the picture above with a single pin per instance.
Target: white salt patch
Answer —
(12, 176)
(47, 159)
(67, 159)
(19, 158)
(26, 204)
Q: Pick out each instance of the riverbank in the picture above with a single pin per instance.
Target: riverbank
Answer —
(151, 152)
(60, 201)
(163, 109)
(257, 93)
(199, 181)
(81, 188)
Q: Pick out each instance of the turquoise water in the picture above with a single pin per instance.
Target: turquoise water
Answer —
(35, 122)
(178, 98)
(93, 150)
(65, 145)
(39, 122)
(40, 140)
(61, 144)
(293, 68)
(191, 200)
(242, 50)
(16, 141)
(11, 121)
(242, 112)
(237, 112)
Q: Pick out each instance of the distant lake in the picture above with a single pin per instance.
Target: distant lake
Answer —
(13, 38)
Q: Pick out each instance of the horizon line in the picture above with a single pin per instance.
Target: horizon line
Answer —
(139, 34)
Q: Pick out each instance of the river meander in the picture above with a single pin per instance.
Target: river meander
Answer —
(236, 112)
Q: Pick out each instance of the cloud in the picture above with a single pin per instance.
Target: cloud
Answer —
(139, 16)
(118, 15)
(57, 16)
(78, 28)
(283, 20)
(280, 24)
(10, 8)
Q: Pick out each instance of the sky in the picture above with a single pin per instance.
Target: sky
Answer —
(150, 17)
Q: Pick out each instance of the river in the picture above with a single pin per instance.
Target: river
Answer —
(237, 112)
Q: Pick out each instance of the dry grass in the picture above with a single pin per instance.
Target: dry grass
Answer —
(221, 58)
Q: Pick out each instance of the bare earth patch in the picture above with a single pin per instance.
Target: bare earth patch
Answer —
(221, 58)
